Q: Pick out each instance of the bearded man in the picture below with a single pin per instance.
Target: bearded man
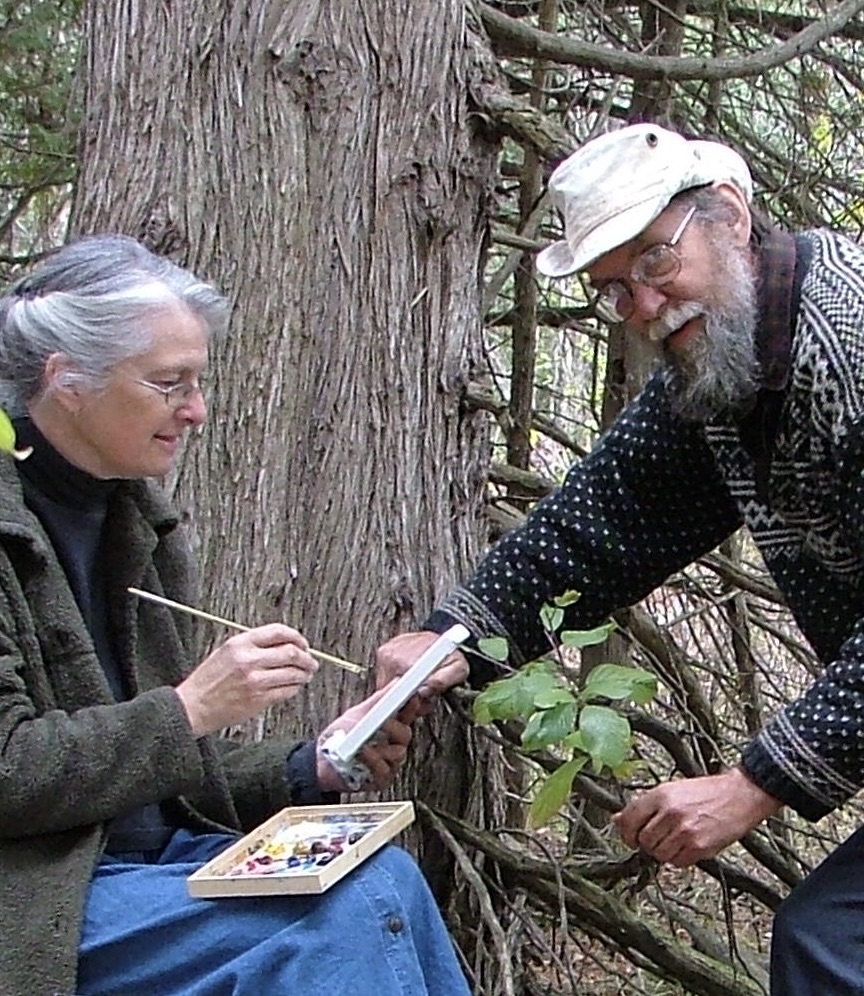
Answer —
(756, 418)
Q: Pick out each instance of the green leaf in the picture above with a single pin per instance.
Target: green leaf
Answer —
(7, 438)
(614, 681)
(494, 702)
(494, 647)
(606, 735)
(574, 741)
(553, 697)
(554, 792)
(549, 726)
(628, 769)
(515, 697)
(644, 690)
(7, 433)
(551, 618)
(568, 598)
(586, 637)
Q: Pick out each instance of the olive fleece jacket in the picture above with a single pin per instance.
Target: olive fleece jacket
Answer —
(71, 756)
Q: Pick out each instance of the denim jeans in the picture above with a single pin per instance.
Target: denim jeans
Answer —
(817, 946)
(377, 932)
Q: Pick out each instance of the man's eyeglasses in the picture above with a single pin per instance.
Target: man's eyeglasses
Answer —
(175, 395)
(656, 266)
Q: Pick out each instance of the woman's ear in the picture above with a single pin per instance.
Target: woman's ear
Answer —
(741, 225)
(59, 385)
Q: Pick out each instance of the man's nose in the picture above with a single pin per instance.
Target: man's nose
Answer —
(648, 305)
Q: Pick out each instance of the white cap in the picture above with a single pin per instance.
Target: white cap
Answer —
(611, 189)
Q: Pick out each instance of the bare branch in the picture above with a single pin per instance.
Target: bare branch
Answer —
(515, 39)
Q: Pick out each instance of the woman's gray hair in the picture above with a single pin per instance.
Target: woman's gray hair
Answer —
(92, 301)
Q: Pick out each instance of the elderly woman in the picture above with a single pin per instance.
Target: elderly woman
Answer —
(113, 786)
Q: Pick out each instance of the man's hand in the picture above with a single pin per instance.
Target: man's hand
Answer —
(395, 657)
(685, 821)
(245, 675)
(383, 755)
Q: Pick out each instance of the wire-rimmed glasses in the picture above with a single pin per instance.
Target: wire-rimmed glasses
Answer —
(657, 265)
(175, 395)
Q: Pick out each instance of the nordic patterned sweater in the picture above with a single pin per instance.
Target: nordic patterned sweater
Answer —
(657, 492)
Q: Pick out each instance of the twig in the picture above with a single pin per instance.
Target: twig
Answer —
(150, 597)
(490, 918)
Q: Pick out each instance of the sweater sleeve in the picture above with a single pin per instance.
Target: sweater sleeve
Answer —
(811, 754)
(646, 502)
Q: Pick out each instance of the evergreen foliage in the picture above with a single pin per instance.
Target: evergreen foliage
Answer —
(40, 45)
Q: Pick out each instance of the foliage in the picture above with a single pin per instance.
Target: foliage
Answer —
(7, 438)
(559, 715)
(39, 58)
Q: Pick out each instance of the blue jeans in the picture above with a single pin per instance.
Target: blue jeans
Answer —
(377, 932)
(817, 946)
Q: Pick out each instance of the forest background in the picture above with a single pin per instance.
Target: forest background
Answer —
(366, 181)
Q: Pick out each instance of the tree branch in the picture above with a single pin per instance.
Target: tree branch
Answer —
(595, 907)
(515, 39)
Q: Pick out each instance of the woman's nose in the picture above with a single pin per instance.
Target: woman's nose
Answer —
(194, 411)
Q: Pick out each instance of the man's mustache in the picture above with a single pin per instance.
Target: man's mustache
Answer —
(673, 319)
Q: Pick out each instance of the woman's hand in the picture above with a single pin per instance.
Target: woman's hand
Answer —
(245, 675)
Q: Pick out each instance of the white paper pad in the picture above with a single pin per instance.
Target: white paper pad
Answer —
(398, 694)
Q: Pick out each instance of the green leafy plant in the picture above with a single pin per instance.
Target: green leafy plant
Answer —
(576, 720)
(7, 438)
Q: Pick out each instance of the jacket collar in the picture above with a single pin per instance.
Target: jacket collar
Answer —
(18, 522)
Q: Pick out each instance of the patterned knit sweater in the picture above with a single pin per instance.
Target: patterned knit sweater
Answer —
(657, 492)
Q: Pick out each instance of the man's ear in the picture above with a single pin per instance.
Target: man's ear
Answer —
(741, 225)
(62, 387)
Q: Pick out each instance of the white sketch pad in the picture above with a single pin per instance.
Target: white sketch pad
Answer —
(398, 694)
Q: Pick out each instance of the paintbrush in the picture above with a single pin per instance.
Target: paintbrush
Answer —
(180, 607)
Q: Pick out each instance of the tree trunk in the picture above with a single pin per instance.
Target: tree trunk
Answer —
(317, 160)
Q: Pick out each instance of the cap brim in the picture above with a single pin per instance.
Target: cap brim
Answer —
(556, 260)
(614, 233)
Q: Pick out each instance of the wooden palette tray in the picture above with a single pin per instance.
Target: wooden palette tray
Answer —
(301, 849)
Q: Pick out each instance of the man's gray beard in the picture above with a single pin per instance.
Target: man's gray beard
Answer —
(718, 370)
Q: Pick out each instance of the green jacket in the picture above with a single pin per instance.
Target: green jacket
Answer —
(71, 757)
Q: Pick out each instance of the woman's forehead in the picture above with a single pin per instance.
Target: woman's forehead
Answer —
(178, 339)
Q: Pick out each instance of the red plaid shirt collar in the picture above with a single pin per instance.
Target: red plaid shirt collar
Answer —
(776, 263)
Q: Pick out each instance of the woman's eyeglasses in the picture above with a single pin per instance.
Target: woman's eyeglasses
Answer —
(657, 265)
(175, 395)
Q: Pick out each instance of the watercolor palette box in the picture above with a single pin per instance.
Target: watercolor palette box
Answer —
(302, 849)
